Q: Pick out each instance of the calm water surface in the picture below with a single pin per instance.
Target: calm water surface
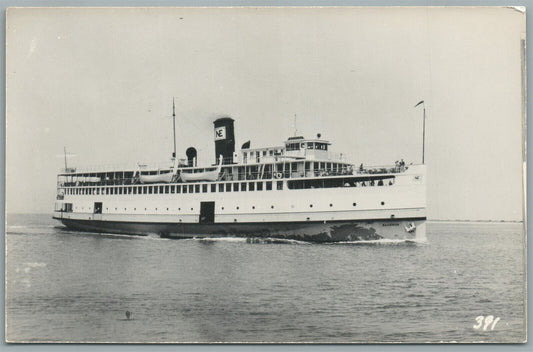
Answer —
(66, 286)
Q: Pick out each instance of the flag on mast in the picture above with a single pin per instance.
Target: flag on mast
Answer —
(420, 102)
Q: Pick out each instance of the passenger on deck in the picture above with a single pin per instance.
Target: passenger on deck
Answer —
(380, 183)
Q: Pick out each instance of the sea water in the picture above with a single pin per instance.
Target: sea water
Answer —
(465, 283)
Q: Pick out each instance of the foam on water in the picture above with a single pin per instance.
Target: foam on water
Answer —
(382, 241)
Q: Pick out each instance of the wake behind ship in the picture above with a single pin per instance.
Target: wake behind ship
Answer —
(299, 190)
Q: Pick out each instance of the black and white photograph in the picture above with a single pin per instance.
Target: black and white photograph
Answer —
(265, 175)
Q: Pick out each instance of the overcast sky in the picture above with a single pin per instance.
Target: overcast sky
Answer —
(101, 82)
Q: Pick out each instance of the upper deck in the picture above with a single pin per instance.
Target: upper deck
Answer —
(297, 158)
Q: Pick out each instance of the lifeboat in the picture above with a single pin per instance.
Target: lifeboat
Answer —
(205, 175)
(208, 175)
(159, 178)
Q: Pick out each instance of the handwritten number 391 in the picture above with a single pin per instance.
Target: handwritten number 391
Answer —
(484, 322)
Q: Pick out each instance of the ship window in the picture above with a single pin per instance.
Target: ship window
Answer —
(221, 187)
(382, 203)
(191, 188)
(268, 185)
(259, 186)
(120, 190)
(328, 167)
(178, 189)
(310, 145)
(130, 191)
(145, 189)
(235, 187)
(264, 152)
(156, 189)
(149, 189)
(134, 190)
(271, 152)
(251, 186)
(354, 204)
(228, 187)
(213, 188)
(204, 188)
(167, 189)
(161, 189)
(294, 167)
(197, 188)
(172, 189)
(279, 185)
(243, 186)
(98, 191)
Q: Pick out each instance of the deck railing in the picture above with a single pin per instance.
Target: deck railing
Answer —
(80, 181)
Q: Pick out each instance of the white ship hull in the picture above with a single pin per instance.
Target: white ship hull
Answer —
(324, 214)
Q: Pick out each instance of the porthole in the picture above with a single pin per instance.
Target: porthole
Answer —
(330, 204)
(179, 208)
(272, 207)
(167, 209)
(382, 203)
(307, 219)
(354, 204)
(253, 206)
(134, 208)
(237, 208)
(155, 208)
(235, 220)
(310, 205)
(192, 208)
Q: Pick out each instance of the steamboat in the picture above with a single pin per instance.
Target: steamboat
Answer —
(299, 190)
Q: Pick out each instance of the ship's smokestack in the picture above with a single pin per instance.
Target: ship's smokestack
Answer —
(191, 156)
(224, 139)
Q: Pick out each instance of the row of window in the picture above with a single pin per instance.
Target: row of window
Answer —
(67, 207)
(308, 145)
(172, 189)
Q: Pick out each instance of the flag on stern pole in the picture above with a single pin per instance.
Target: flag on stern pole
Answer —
(420, 102)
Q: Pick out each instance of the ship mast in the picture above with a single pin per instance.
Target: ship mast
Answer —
(423, 129)
(174, 128)
(65, 151)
